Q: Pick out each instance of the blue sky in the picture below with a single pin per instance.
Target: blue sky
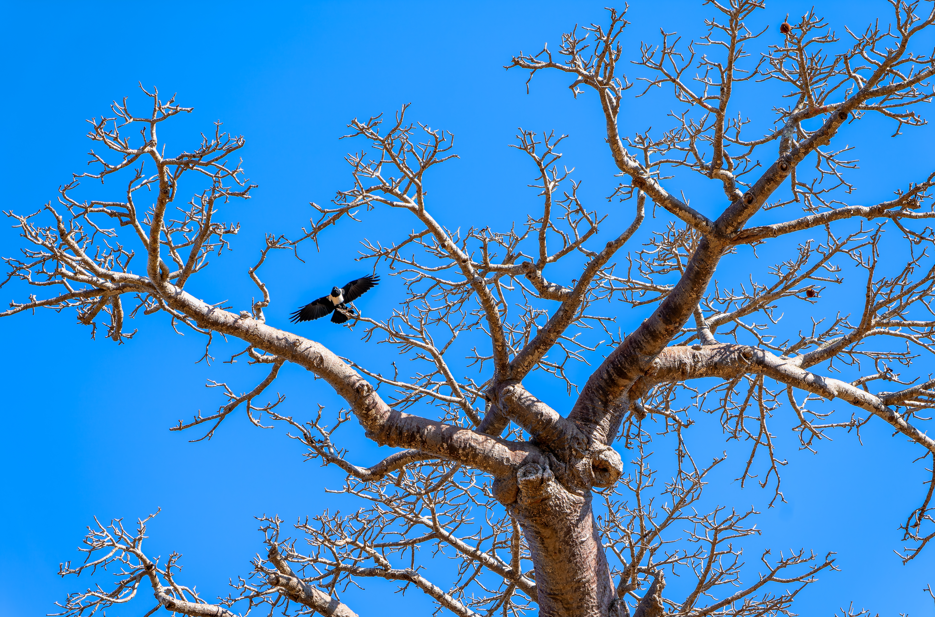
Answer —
(86, 428)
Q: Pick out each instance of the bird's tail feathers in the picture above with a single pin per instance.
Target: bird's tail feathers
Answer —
(339, 315)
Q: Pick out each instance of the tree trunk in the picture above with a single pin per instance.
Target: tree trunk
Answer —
(572, 575)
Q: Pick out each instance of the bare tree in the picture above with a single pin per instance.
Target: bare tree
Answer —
(484, 471)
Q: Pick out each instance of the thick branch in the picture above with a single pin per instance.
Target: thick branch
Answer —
(384, 425)
(730, 361)
(299, 591)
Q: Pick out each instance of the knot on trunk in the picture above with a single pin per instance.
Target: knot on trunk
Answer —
(533, 482)
(606, 467)
(364, 390)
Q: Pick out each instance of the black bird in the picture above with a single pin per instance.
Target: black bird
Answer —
(336, 302)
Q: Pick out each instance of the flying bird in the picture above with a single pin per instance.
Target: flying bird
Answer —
(336, 302)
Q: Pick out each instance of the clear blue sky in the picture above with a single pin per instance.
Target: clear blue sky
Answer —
(85, 430)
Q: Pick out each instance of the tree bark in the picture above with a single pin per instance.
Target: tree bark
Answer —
(572, 575)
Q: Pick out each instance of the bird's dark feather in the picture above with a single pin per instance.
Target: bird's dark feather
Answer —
(340, 314)
(319, 308)
(322, 306)
(358, 287)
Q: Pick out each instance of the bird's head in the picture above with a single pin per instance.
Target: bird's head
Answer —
(335, 292)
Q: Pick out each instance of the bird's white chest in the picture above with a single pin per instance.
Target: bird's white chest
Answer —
(336, 300)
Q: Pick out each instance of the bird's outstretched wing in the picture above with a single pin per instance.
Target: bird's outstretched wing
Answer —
(358, 287)
(319, 308)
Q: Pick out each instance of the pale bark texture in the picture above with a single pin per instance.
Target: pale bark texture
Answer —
(481, 468)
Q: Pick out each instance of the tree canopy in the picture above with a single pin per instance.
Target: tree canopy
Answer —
(561, 385)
